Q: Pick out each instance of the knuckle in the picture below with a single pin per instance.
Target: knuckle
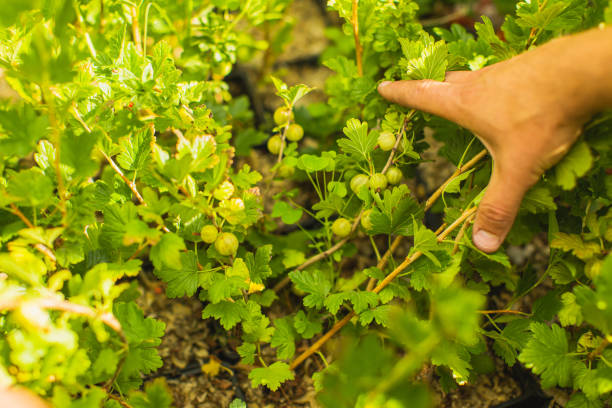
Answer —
(495, 216)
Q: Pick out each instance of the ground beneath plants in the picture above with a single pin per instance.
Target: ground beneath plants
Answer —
(203, 370)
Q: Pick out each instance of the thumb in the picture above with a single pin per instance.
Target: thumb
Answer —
(498, 209)
(427, 95)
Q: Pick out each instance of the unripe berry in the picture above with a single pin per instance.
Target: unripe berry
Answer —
(209, 233)
(224, 191)
(226, 244)
(236, 204)
(378, 181)
(366, 222)
(283, 115)
(359, 181)
(222, 70)
(386, 141)
(294, 132)
(286, 171)
(275, 143)
(341, 227)
(394, 175)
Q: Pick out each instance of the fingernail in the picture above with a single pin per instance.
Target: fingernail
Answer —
(486, 241)
(383, 84)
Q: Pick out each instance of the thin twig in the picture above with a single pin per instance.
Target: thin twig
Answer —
(15, 210)
(460, 234)
(428, 204)
(358, 48)
(400, 268)
(436, 194)
(593, 354)
(285, 281)
(506, 311)
(119, 400)
(398, 139)
(322, 255)
(127, 181)
(12, 303)
(136, 28)
(46, 251)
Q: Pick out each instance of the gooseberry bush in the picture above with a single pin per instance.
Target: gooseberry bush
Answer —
(124, 151)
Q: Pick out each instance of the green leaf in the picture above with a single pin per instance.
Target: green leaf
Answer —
(105, 365)
(284, 338)
(425, 240)
(311, 164)
(135, 326)
(259, 265)
(335, 300)
(287, 214)
(135, 150)
(156, 395)
(595, 304)
(167, 252)
(246, 139)
(575, 244)
(571, 313)
(30, 188)
(394, 213)
(546, 354)
(228, 313)
(574, 165)
(455, 185)
(271, 376)
(380, 314)
(224, 287)
(238, 403)
(538, 200)
(143, 335)
(292, 258)
(21, 128)
(363, 300)
(424, 58)
(358, 142)
(247, 352)
(314, 283)
(184, 281)
(306, 325)
(511, 340)
(290, 95)
(579, 400)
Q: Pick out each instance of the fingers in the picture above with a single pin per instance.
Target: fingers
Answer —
(434, 97)
(498, 209)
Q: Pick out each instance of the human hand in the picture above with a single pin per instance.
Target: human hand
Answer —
(527, 111)
(20, 398)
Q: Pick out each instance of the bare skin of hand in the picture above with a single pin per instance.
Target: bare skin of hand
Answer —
(20, 398)
(527, 111)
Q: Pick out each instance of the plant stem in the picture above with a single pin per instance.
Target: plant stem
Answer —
(416, 255)
(436, 194)
(119, 400)
(320, 256)
(12, 303)
(506, 311)
(593, 354)
(15, 210)
(127, 181)
(358, 48)
(428, 204)
(136, 29)
(398, 139)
